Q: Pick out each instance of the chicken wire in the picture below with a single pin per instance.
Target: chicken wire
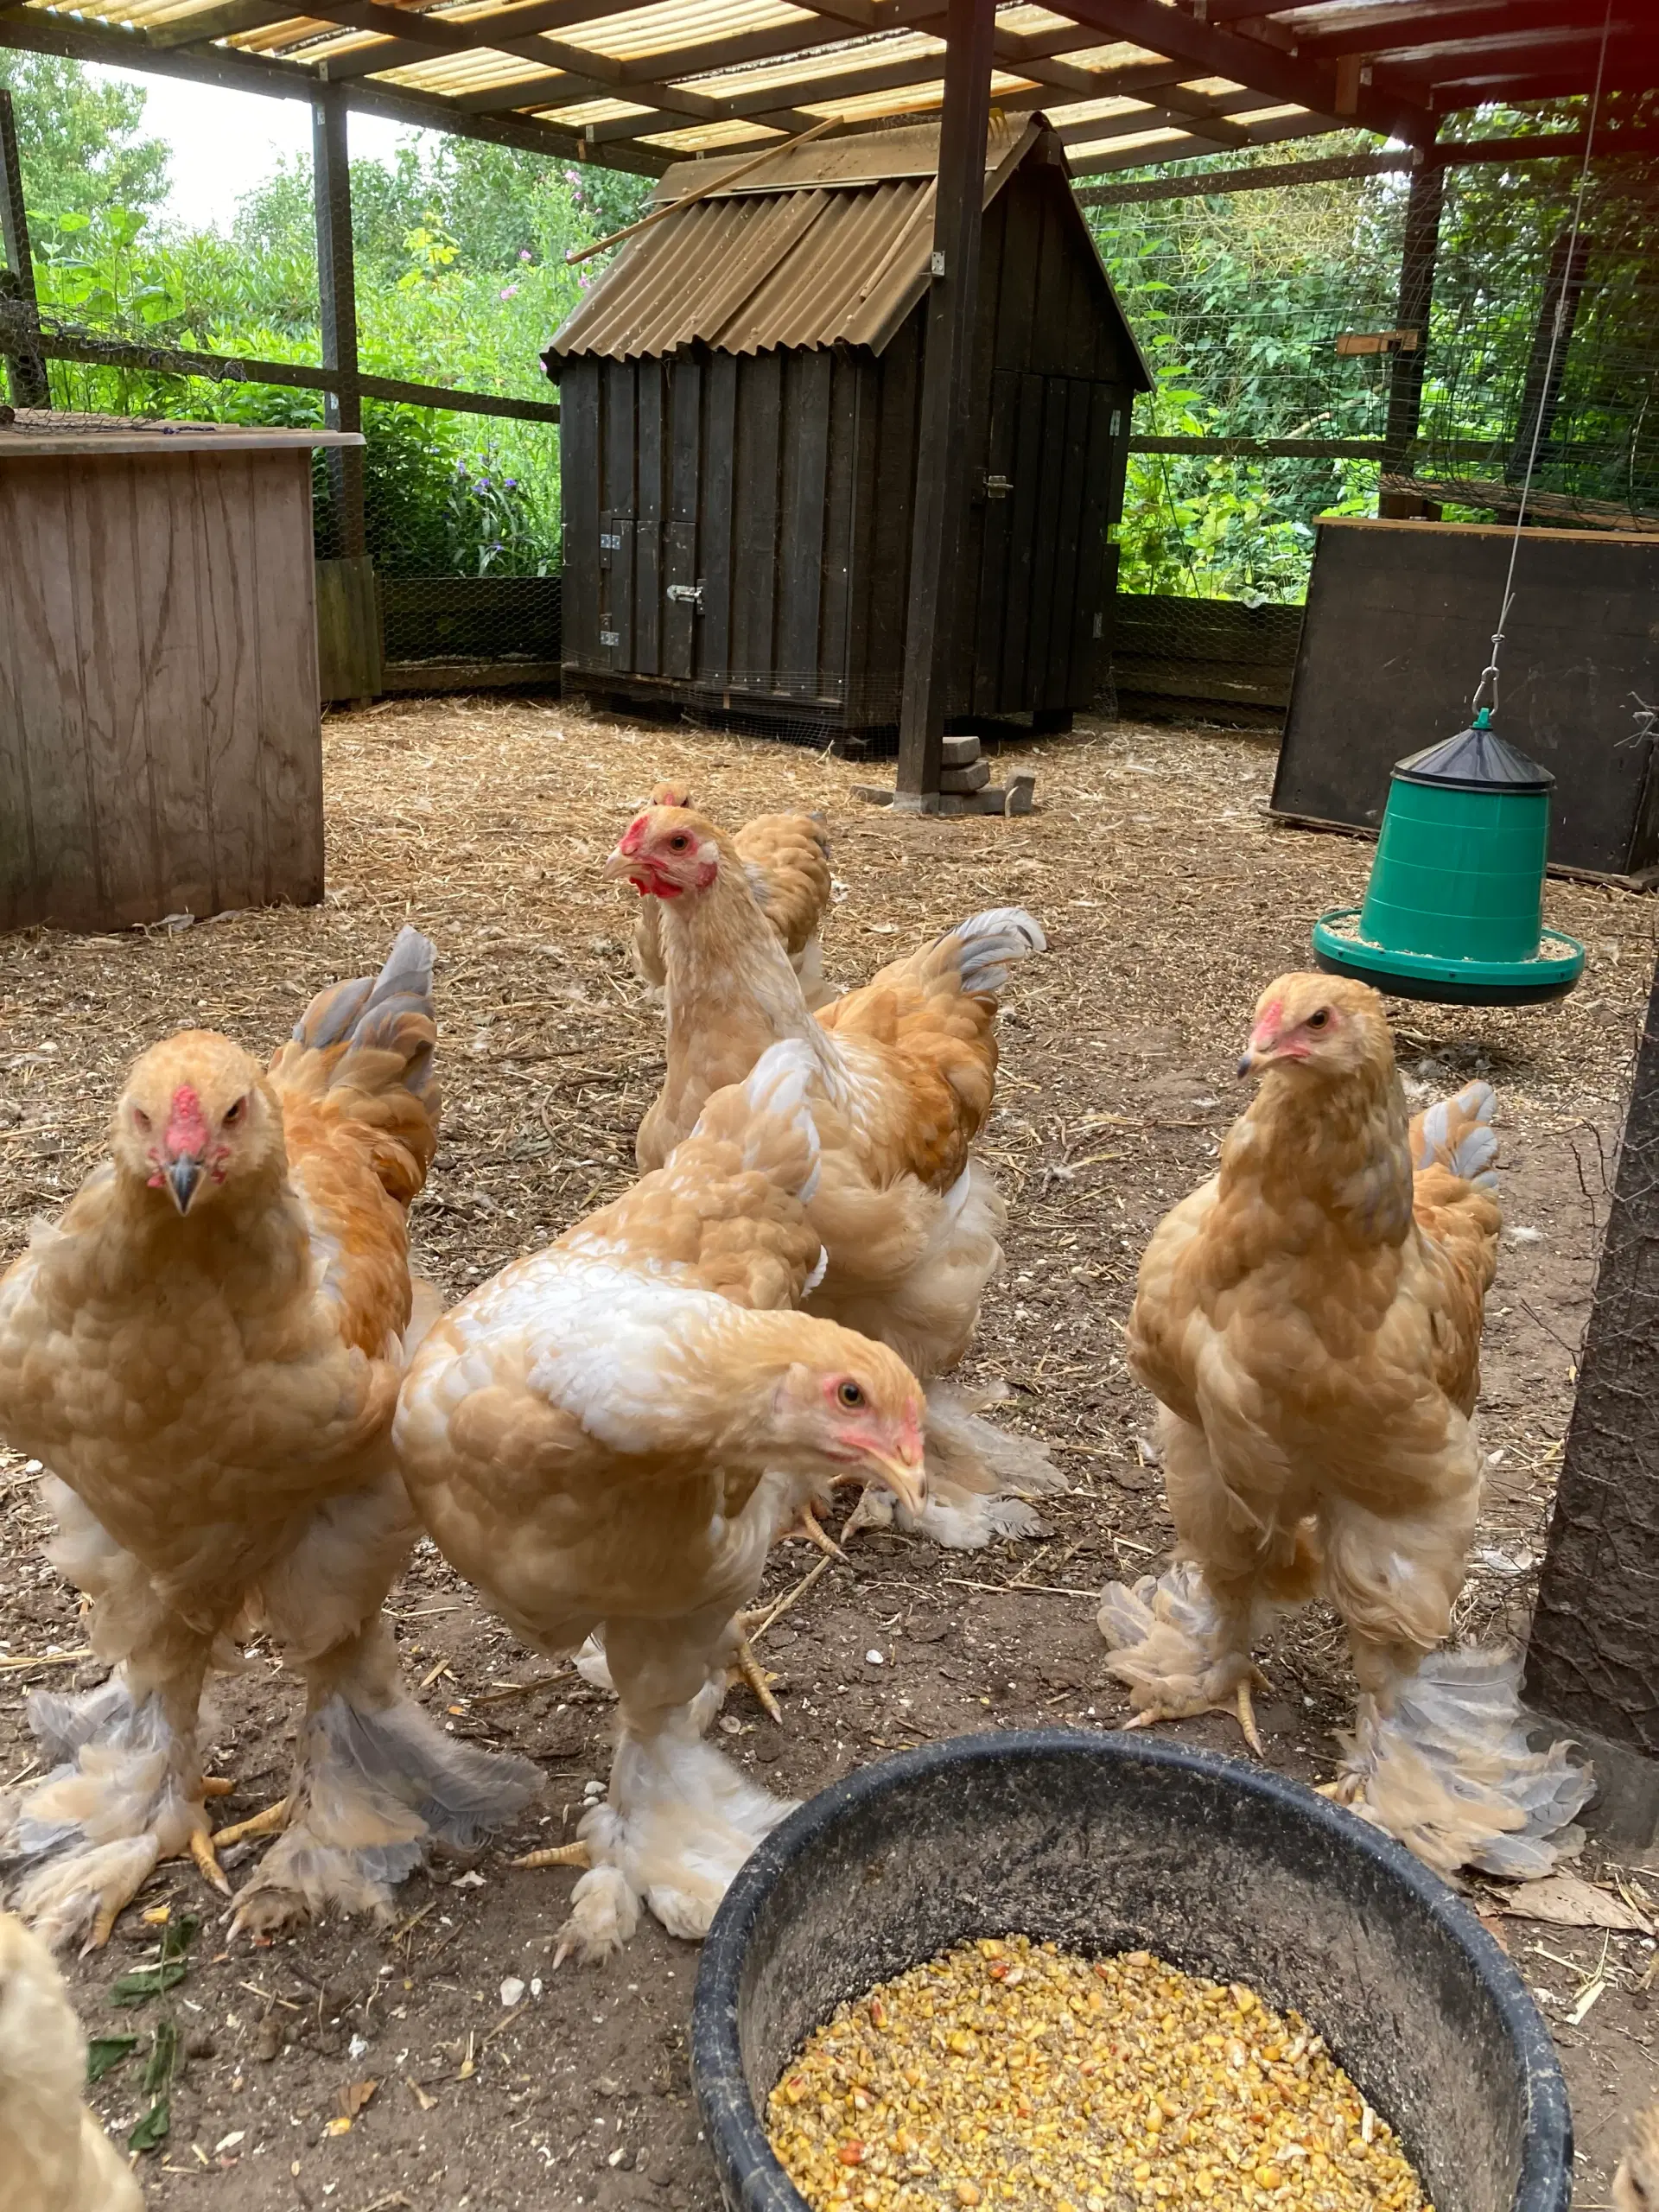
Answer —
(1239, 301)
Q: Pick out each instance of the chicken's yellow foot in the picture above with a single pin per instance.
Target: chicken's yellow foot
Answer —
(201, 1850)
(270, 1821)
(746, 1667)
(557, 1855)
(808, 1525)
(1246, 1719)
(1241, 1706)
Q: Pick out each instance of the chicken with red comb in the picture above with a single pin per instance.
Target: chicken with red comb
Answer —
(1309, 1322)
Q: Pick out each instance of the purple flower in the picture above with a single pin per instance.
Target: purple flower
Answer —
(483, 483)
(571, 177)
(509, 291)
(510, 484)
(523, 253)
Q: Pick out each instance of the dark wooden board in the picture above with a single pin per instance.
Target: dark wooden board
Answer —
(714, 642)
(1397, 629)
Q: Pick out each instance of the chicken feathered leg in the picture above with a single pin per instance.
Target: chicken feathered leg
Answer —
(679, 1820)
(127, 1789)
(1182, 1641)
(376, 1780)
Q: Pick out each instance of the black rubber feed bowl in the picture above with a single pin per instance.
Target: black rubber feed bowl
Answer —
(1105, 1843)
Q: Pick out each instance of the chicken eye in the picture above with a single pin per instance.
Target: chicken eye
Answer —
(1317, 1020)
(850, 1396)
(234, 1113)
(678, 843)
(141, 1120)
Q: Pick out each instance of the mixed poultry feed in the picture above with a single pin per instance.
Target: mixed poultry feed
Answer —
(1010, 2072)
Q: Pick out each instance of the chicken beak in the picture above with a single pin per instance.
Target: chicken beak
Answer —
(182, 1177)
(618, 866)
(1246, 1062)
(905, 1478)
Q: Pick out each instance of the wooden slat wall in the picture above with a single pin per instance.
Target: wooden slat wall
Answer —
(160, 741)
(782, 483)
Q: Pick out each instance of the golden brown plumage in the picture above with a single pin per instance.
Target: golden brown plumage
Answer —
(596, 1437)
(206, 1351)
(1310, 1321)
(787, 857)
(54, 2155)
(1635, 2185)
(904, 1075)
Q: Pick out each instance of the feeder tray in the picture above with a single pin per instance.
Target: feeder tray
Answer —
(1455, 910)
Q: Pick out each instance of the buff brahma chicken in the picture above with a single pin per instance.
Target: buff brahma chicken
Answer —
(595, 1438)
(1310, 1321)
(204, 1350)
(54, 2155)
(787, 857)
(904, 1077)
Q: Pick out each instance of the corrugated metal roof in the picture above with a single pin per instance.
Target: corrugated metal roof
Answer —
(839, 256)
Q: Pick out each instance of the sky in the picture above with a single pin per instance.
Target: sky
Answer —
(223, 143)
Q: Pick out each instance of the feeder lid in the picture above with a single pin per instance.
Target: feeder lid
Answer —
(1476, 760)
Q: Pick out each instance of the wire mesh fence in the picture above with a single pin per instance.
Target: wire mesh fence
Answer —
(1288, 380)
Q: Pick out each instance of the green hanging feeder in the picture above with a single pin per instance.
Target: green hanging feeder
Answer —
(1455, 910)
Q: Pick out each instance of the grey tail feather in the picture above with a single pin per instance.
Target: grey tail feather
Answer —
(368, 1010)
(991, 945)
(403, 986)
(1474, 1156)
(459, 1793)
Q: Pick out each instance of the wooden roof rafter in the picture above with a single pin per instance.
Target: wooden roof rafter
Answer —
(663, 76)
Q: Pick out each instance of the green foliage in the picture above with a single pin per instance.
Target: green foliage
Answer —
(79, 138)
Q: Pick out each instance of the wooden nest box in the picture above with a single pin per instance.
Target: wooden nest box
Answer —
(738, 398)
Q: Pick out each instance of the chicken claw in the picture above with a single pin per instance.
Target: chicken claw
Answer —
(557, 1855)
(807, 1526)
(208, 1866)
(746, 1667)
(1241, 1706)
(270, 1821)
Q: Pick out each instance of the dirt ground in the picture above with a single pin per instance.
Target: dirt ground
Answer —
(1170, 900)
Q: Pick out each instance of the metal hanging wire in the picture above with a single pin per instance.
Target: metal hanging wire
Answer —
(1484, 705)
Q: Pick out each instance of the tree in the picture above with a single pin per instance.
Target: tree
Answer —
(79, 139)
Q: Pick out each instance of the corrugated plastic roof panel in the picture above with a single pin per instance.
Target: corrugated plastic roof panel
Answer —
(838, 256)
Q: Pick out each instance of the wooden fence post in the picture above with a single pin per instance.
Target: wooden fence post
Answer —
(1592, 1663)
(337, 290)
(942, 458)
(25, 364)
(1422, 240)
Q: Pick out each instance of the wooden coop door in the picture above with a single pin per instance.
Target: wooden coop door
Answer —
(1045, 493)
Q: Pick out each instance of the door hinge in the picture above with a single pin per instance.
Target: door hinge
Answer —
(610, 637)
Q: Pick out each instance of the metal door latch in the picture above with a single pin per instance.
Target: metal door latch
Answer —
(998, 487)
(687, 595)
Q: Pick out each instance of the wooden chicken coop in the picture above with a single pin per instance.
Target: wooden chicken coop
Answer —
(160, 745)
(740, 405)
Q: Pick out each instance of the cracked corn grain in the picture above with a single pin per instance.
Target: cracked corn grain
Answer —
(1012, 2073)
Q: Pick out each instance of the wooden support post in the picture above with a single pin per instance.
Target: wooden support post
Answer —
(1563, 289)
(337, 290)
(1423, 204)
(1592, 1664)
(942, 459)
(25, 364)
